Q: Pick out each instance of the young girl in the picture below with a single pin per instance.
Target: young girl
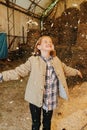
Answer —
(47, 81)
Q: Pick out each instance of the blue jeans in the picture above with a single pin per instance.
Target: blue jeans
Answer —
(36, 117)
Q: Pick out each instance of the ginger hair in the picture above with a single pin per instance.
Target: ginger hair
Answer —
(37, 51)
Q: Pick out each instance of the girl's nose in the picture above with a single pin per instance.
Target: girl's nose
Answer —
(49, 43)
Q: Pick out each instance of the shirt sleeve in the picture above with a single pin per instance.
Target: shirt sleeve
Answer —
(20, 71)
(69, 71)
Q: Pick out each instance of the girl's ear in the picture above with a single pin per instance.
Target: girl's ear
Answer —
(38, 47)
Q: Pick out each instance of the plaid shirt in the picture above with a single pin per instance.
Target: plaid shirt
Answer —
(51, 87)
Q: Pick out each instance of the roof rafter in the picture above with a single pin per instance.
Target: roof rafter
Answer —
(36, 4)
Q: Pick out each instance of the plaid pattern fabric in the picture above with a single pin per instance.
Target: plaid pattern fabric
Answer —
(51, 87)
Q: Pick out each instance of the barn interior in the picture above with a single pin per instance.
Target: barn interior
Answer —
(21, 24)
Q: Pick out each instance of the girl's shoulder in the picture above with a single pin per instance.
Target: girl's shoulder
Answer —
(56, 58)
(31, 58)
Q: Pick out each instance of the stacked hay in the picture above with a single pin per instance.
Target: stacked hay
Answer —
(48, 27)
(51, 29)
(83, 12)
(64, 28)
(32, 37)
(69, 25)
(82, 27)
(82, 35)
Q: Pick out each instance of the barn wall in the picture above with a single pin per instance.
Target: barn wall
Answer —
(20, 20)
(20, 26)
(3, 19)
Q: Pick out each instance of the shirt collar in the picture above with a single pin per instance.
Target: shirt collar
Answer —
(45, 59)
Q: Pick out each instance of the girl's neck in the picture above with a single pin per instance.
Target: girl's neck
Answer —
(45, 55)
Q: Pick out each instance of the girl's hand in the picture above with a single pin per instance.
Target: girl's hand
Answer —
(79, 74)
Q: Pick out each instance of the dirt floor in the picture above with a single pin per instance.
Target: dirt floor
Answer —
(14, 111)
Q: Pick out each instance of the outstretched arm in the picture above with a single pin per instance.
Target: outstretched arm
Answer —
(15, 74)
(69, 71)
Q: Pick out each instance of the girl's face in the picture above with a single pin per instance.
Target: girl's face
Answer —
(46, 44)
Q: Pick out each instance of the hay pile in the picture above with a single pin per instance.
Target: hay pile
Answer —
(82, 35)
(64, 28)
(83, 12)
